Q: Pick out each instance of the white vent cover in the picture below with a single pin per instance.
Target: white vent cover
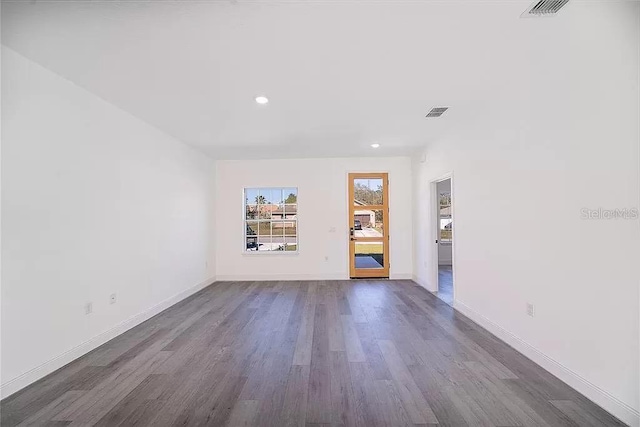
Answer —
(544, 8)
(437, 111)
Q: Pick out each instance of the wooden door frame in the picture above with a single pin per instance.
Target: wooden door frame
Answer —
(373, 272)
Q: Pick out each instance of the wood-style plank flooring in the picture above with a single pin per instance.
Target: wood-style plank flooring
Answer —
(343, 353)
(445, 283)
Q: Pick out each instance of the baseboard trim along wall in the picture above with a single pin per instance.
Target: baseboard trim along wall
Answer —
(282, 277)
(29, 377)
(599, 396)
(422, 282)
(286, 277)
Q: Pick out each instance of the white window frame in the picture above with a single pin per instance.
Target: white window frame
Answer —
(245, 221)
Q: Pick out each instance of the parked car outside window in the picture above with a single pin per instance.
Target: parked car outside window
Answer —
(252, 242)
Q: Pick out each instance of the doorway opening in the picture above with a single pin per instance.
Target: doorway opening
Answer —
(368, 225)
(444, 239)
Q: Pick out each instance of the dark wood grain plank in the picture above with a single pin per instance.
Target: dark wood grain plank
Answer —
(244, 413)
(319, 401)
(412, 399)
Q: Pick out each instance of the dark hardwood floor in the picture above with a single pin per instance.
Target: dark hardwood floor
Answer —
(445, 284)
(363, 353)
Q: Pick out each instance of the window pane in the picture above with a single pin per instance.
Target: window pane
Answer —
(267, 196)
(290, 228)
(291, 211)
(264, 211)
(369, 255)
(251, 212)
(278, 212)
(263, 194)
(252, 228)
(367, 191)
(251, 235)
(445, 199)
(250, 196)
(446, 223)
(285, 246)
(290, 195)
(276, 196)
(368, 223)
(277, 231)
(446, 230)
(264, 228)
(290, 240)
(264, 243)
(252, 243)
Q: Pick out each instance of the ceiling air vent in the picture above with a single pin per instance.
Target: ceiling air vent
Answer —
(544, 8)
(437, 111)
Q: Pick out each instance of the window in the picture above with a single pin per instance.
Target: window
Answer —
(446, 222)
(270, 219)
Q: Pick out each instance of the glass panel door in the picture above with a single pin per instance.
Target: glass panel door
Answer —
(368, 225)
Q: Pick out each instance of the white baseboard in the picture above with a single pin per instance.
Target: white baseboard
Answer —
(279, 277)
(599, 396)
(423, 283)
(284, 277)
(61, 360)
(419, 281)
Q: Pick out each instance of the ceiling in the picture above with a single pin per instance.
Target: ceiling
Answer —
(340, 75)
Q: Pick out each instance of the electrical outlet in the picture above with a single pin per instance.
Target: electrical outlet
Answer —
(88, 308)
(530, 310)
(112, 299)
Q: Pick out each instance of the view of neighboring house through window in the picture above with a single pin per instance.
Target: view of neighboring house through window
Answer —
(367, 221)
(271, 219)
(446, 223)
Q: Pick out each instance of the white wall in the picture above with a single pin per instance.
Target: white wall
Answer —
(94, 202)
(570, 141)
(322, 206)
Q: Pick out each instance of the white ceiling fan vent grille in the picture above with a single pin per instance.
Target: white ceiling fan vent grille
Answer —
(545, 8)
(437, 111)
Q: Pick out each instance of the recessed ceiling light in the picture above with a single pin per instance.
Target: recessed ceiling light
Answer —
(262, 99)
(376, 145)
